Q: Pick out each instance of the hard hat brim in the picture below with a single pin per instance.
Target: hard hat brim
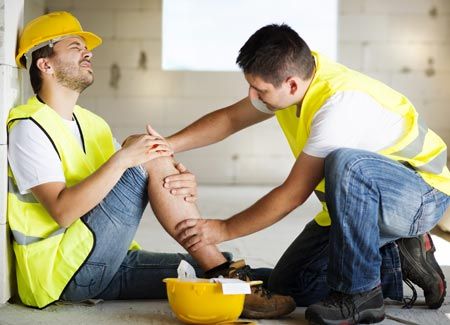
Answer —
(91, 40)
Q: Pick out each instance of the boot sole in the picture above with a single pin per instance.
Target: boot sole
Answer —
(369, 316)
(434, 264)
(264, 315)
(432, 274)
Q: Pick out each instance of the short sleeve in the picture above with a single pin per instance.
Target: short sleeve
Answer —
(352, 119)
(32, 157)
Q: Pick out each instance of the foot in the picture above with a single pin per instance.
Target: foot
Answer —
(341, 308)
(420, 267)
(260, 303)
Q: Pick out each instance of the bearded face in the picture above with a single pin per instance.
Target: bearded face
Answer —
(75, 75)
(71, 64)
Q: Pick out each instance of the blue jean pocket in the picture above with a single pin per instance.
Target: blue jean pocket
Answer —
(428, 214)
(89, 279)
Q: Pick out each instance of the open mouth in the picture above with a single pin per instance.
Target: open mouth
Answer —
(86, 64)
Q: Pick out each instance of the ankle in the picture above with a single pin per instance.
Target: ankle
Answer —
(217, 270)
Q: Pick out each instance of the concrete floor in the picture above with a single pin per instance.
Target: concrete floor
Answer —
(219, 201)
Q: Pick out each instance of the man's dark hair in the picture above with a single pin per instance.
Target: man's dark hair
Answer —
(274, 53)
(35, 73)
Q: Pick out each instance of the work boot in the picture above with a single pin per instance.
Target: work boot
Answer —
(260, 303)
(420, 267)
(341, 308)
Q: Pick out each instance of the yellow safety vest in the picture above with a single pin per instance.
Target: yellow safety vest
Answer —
(419, 146)
(48, 256)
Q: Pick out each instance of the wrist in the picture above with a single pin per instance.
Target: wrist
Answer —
(171, 142)
(226, 230)
(118, 161)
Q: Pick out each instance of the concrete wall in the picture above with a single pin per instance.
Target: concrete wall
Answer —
(144, 93)
(14, 87)
(404, 43)
(11, 12)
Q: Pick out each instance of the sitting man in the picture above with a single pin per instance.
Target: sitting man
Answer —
(76, 197)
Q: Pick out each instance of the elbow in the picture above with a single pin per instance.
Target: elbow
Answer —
(62, 218)
(63, 223)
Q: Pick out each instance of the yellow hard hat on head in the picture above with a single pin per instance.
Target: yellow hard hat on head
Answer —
(47, 29)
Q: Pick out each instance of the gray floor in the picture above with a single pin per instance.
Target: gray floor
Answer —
(257, 249)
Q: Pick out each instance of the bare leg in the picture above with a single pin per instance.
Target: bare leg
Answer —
(170, 209)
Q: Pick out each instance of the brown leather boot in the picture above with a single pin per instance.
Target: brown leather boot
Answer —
(260, 303)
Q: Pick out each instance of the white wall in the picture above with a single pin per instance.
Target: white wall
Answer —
(11, 12)
(405, 43)
(170, 100)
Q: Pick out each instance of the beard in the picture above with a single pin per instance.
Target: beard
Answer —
(73, 76)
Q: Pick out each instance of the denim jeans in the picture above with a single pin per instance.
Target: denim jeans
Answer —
(112, 271)
(372, 201)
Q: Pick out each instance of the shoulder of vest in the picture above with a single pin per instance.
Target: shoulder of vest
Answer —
(12, 122)
(23, 111)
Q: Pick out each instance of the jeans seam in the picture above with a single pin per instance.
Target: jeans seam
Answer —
(346, 203)
(415, 225)
(347, 184)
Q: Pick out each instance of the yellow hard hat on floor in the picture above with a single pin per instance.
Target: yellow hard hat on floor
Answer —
(47, 29)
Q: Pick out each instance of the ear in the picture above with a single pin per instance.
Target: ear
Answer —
(293, 85)
(44, 66)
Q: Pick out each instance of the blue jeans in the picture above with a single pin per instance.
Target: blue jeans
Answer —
(112, 271)
(372, 201)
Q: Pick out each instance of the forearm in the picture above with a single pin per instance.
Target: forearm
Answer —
(209, 129)
(265, 212)
(75, 201)
(217, 125)
(304, 177)
(170, 210)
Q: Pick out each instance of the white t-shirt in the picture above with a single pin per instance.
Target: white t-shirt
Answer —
(32, 157)
(351, 119)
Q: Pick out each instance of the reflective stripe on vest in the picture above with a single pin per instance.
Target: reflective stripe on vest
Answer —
(23, 239)
(13, 189)
(419, 147)
(415, 147)
(48, 256)
(436, 165)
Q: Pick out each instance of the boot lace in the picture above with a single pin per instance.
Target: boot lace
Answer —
(344, 302)
(263, 292)
(409, 302)
(245, 274)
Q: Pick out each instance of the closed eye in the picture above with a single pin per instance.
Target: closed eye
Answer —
(77, 46)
